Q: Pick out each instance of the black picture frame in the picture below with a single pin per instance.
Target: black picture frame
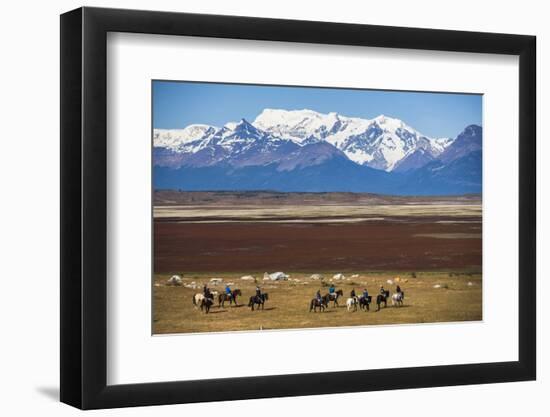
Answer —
(84, 207)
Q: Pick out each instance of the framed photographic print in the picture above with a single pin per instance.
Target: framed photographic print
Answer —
(258, 207)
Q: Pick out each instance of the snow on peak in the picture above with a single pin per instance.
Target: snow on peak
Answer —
(243, 123)
(300, 126)
(245, 128)
(392, 124)
(440, 144)
(174, 139)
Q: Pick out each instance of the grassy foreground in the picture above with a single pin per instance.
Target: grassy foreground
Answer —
(458, 298)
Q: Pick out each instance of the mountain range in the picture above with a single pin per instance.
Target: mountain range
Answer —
(303, 150)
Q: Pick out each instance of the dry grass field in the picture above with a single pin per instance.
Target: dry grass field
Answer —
(459, 298)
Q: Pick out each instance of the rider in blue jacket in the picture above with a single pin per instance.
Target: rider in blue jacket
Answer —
(228, 291)
(331, 289)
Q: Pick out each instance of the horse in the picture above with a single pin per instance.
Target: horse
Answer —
(352, 302)
(382, 298)
(315, 302)
(260, 300)
(200, 301)
(197, 299)
(364, 302)
(222, 298)
(397, 299)
(206, 303)
(333, 297)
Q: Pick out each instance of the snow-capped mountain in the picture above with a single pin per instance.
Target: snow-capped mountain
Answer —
(236, 144)
(380, 143)
(310, 151)
(176, 139)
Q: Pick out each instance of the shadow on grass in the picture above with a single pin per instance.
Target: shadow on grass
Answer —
(264, 309)
(391, 308)
(216, 311)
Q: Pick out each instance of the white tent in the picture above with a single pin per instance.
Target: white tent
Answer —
(175, 280)
(276, 276)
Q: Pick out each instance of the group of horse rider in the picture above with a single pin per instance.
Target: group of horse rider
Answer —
(332, 290)
(352, 294)
(208, 294)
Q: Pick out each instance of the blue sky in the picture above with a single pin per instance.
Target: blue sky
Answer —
(178, 104)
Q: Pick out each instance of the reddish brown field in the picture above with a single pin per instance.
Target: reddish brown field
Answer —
(392, 244)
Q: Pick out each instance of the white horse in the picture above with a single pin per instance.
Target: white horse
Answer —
(352, 302)
(397, 299)
(197, 299)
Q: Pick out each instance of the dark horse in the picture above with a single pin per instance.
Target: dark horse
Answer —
(260, 300)
(316, 303)
(333, 297)
(382, 298)
(222, 298)
(206, 303)
(364, 302)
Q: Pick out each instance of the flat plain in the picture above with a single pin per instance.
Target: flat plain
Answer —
(431, 244)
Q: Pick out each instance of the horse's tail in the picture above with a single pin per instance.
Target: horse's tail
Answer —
(194, 301)
(251, 301)
(311, 305)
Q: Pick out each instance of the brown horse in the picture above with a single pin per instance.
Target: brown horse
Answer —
(382, 298)
(260, 300)
(364, 302)
(333, 297)
(315, 303)
(206, 303)
(222, 298)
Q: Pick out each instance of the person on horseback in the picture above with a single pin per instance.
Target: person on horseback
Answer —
(206, 292)
(331, 289)
(352, 293)
(228, 292)
(365, 294)
(398, 289)
(382, 290)
(318, 296)
(258, 293)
